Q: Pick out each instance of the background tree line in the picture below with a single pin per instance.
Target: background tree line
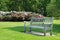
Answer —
(50, 7)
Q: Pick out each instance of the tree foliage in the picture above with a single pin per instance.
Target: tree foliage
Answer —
(51, 7)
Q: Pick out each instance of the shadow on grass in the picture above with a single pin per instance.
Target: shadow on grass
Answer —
(17, 28)
(56, 28)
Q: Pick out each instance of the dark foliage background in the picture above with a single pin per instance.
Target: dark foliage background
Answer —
(51, 7)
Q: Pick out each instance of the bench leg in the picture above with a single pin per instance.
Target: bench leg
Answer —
(51, 31)
(24, 26)
(30, 29)
(44, 31)
(24, 29)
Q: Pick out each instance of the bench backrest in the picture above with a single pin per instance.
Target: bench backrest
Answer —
(41, 21)
(48, 20)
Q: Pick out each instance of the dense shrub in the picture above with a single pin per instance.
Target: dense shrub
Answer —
(28, 17)
(7, 18)
(17, 16)
(1, 18)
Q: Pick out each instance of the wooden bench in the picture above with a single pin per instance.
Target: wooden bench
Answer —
(45, 23)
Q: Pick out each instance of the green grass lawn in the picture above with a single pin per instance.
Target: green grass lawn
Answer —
(14, 31)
